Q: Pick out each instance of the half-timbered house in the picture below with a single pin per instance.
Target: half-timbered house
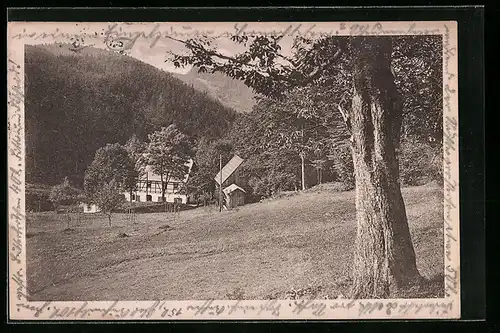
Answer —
(149, 187)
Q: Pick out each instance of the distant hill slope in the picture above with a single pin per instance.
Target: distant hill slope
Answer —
(231, 92)
(76, 102)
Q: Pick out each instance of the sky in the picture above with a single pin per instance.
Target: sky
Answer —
(153, 42)
(157, 54)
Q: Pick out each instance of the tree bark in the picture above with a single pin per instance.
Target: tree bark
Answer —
(384, 258)
(163, 187)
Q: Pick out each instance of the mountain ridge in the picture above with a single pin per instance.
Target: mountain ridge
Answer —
(231, 92)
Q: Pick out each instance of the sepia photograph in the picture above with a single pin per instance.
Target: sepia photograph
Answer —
(309, 164)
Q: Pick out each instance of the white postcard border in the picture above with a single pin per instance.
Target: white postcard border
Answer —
(21, 33)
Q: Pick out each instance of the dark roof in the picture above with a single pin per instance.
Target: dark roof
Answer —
(229, 169)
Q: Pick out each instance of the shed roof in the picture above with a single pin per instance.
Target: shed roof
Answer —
(229, 169)
(231, 188)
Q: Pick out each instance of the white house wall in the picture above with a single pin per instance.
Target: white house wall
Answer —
(156, 197)
(90, 208)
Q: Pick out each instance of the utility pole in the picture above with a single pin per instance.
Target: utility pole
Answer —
(220, 184)
(302, 168)
(302, 158)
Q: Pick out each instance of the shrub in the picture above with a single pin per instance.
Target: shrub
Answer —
(420, 163)
(343, 166)
(272, 182)
(108, 198)
(63, 194)
(332, 187)
(38, 202)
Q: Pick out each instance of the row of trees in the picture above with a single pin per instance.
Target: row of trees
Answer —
(298, 142)
(116, 169)
(299, 136)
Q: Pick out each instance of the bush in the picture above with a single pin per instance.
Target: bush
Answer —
(272, 182)
(38, 202)
(343, 166)
(64, 194)
(332, 187)
(420, 163)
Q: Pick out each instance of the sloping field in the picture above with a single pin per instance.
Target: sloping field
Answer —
(260, 251)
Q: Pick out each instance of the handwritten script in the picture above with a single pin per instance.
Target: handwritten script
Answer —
(16, 181)
(271, 308)
(450, 137)
(119, 39)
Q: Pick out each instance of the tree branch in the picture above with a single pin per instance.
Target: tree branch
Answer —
(294, 75)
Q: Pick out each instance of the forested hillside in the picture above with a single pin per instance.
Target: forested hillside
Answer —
(231, 92)
(78, 102)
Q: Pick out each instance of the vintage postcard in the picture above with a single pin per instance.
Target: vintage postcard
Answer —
(233, 171)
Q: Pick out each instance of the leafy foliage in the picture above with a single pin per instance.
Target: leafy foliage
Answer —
(168, 152)
(108, 198)
(342, 165)
(325, 63)
(278, 132)
(417, 63)
(420, 163)
(262, 65)
(272, 182)
(63, 193)
(207, 153)
(135, 149)
(311, 89)
(111, 163)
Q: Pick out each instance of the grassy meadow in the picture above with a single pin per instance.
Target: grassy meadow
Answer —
(296, 246)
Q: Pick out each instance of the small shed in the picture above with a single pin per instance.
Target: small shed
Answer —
(228, 179)
(235, 196)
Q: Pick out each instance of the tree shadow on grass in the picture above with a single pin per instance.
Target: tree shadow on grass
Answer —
(426, 288)
(33, 234)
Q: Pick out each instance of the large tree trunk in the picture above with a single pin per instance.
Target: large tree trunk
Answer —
(384, 259)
